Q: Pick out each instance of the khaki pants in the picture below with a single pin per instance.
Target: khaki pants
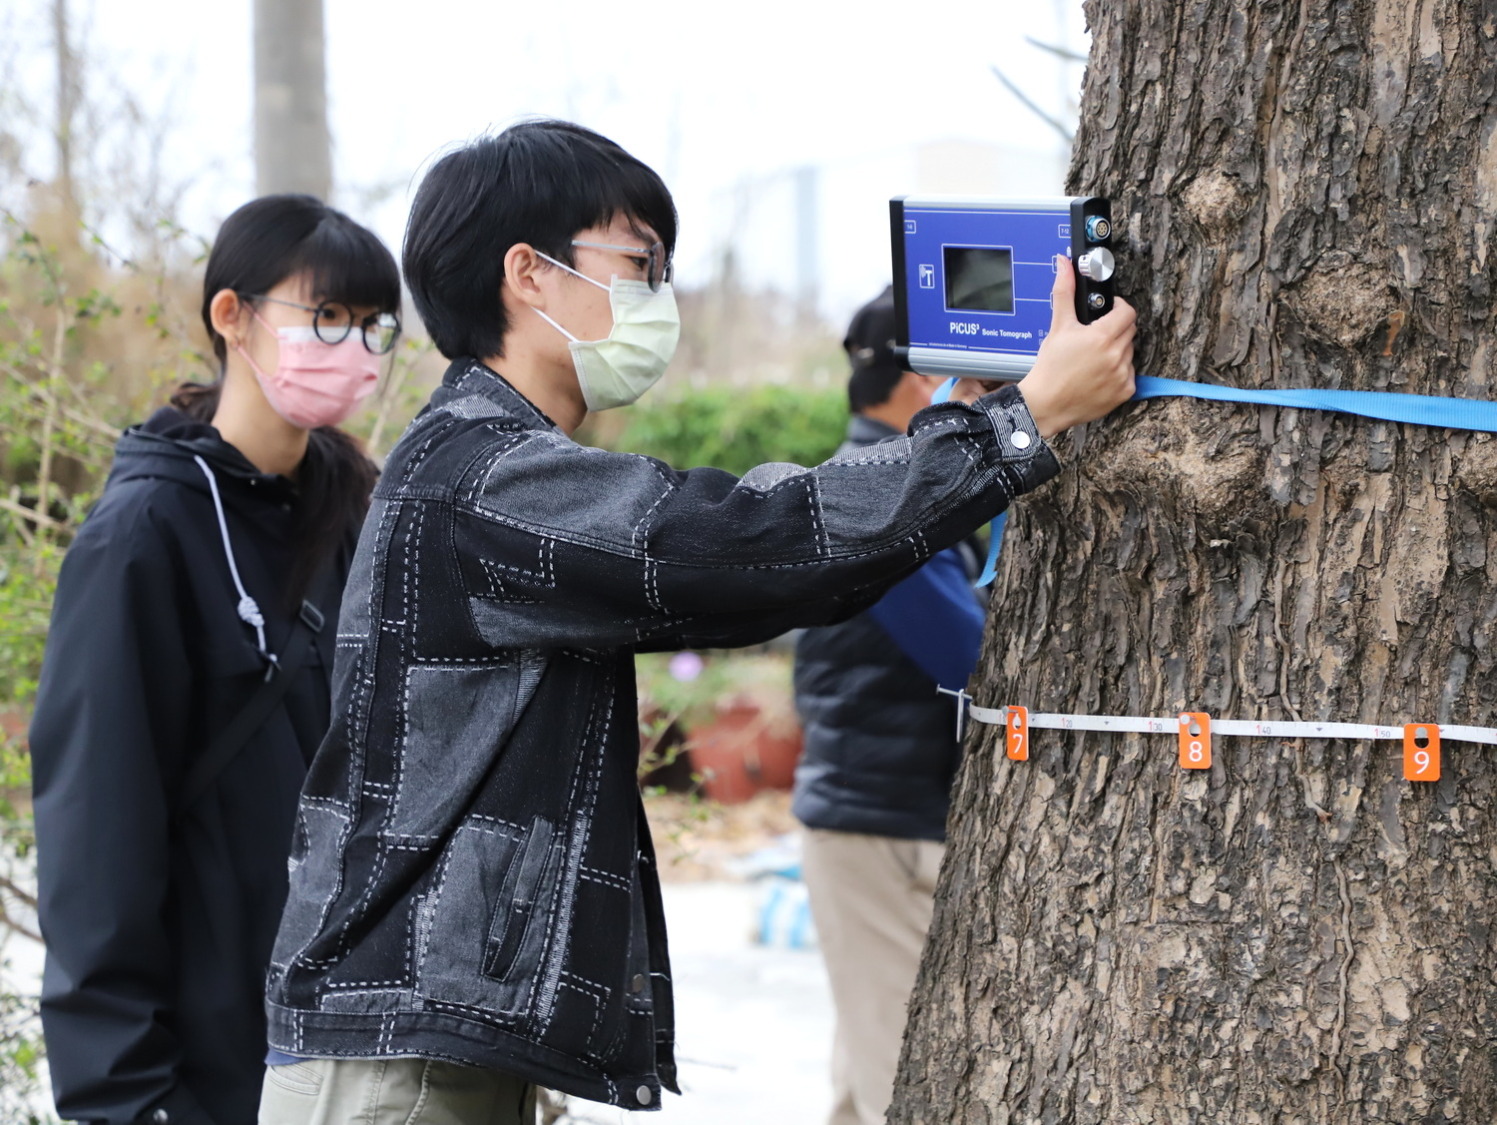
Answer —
(872, 898)
(393, 1092)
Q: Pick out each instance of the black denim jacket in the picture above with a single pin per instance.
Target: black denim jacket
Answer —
(471, 874)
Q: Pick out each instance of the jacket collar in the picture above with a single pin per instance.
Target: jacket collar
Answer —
(862, 430)
(165, 446)
(467, 375)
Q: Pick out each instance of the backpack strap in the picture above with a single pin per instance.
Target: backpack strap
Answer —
(236, 734)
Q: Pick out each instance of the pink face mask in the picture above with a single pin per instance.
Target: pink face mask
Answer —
(317, 384)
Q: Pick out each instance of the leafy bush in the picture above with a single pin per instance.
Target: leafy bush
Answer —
(732, 428)
(61, 407)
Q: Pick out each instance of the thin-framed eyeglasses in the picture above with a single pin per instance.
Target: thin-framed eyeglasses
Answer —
(660, 268)
(332, 322)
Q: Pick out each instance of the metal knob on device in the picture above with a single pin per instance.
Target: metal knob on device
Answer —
(1096, 264)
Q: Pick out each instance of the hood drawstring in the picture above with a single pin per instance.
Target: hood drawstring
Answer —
(249, 609)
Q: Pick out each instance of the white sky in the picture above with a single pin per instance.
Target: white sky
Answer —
(711, 95)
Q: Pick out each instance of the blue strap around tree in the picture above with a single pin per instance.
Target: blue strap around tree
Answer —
(1385, 406)
(1416, 410)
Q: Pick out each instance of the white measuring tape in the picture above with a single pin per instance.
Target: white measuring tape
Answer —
(1195, 730)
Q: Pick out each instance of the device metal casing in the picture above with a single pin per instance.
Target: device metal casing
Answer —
(930, 234)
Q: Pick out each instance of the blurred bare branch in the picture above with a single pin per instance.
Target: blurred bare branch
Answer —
(1060, 52)
(1030, 105)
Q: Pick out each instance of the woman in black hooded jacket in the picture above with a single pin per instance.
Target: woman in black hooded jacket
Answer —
(186, 680)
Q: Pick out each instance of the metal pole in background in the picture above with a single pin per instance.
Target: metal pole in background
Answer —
(293, 146)
(807, 241)
(68, 96)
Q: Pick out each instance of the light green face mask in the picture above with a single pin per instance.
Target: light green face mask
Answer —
(646, 328)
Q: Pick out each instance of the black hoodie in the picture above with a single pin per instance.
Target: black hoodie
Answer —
(159, 921)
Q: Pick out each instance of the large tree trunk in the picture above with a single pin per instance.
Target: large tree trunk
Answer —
(1309, 198)
(293, 148)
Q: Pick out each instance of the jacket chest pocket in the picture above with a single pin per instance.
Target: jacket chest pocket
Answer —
(492, 927)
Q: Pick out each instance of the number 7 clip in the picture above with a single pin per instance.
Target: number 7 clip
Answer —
(1016, 734)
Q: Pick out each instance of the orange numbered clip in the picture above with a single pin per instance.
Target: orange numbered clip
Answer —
(1421, 752)
(1018, 734)
(1195, 740)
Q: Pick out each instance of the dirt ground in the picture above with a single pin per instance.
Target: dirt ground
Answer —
(697, 840)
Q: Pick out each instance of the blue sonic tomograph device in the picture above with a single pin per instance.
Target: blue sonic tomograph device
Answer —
(972, 278)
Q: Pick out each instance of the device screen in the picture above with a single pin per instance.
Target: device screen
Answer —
(979, 278)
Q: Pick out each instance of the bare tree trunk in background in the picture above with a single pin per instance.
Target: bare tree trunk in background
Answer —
(1298, 935)
(69, 94)
(293, 148)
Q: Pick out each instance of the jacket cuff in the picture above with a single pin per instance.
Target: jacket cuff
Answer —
(1020, 446)
(178, 1108)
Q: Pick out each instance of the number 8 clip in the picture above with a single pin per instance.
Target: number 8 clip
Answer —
(1195, 740)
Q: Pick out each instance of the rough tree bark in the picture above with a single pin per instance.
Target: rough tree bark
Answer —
(293, 148)
(1298, 935)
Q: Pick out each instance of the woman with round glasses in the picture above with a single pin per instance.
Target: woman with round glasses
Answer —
(187, 673)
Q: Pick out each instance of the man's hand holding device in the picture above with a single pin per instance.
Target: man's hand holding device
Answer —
(1083, 371)
(982, 294)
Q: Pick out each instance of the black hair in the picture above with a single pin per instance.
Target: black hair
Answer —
(869, 344)
(538, 182)
(259, 246)
(871, 386)
(279, 236)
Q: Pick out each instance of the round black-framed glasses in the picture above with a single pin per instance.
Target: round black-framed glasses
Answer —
(332, 321)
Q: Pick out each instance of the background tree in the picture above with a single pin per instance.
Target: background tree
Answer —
(1309, 198)
(67, 94)
(293, 148)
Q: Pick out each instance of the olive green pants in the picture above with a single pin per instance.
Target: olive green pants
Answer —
(393, 1092)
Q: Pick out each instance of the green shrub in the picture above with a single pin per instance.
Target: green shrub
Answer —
(732, 428)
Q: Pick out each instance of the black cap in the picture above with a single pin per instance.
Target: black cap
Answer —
(870, 348)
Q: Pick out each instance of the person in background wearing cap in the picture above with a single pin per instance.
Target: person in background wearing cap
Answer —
(873, 786)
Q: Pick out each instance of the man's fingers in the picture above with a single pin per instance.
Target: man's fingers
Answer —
(1063, 295)
(1118, 322)
(970, 390)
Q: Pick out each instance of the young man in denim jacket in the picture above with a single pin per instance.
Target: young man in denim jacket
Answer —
(474, 904)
